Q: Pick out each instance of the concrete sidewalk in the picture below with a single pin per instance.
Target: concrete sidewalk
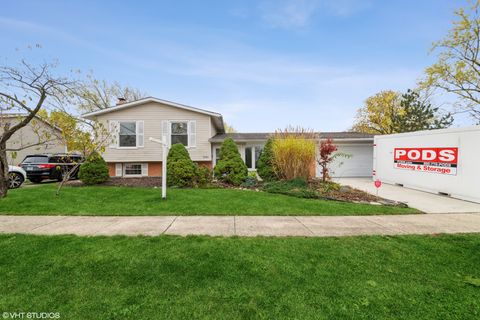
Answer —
(424, 201)
(243, 225)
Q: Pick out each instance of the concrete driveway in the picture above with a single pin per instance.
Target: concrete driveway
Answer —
(424, 201)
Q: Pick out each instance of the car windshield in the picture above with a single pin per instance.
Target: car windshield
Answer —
(35, 159)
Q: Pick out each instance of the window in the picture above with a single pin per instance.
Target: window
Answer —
(127, 135)
(133, 169)
(248, 157)
(217, 155)
(180, 133)
(251, 156)
(35, 159)
(258, 152)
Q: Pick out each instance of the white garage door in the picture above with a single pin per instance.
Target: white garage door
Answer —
(360, 164)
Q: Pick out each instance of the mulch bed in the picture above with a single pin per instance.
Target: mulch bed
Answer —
(350, 194)
(150, 182)
(135, 182)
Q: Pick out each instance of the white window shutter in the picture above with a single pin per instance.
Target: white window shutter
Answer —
(113, 129)
(192, 133)
(140, 134)
(166, 129)
(144, 169)
(118, 169)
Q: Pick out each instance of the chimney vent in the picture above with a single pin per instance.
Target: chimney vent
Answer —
(121, 101)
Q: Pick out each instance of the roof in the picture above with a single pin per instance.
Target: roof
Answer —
(19, 115)
(261, 136)
(429, 132)
(218, 120)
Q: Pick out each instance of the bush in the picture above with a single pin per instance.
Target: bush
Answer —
(230, 168)
(94, 170)
(251, 180)
(297, 187)
(181, 170)
(265, 164)
(203, 176)
(294, 153)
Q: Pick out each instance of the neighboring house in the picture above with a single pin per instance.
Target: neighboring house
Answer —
(132, 154)
(37, 137)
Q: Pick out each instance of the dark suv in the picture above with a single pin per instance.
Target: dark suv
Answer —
(41, 166)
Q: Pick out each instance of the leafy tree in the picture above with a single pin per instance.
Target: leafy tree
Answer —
(266, 162)
(389, 112)
(228, 128)
(230, 168)
(181, 170)
(377, 113)
(326, 156)
(457, 69)
(418, 115)
(94, 170)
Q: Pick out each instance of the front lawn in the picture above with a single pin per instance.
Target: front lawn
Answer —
(102, 200)
(407, 277)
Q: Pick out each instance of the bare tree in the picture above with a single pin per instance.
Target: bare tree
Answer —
(84, 137)
(89, 137)
(27, 88)
(99, 94)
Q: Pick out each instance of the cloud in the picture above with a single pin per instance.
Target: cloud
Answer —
(255, 89)
(289, 13)
(299, 13)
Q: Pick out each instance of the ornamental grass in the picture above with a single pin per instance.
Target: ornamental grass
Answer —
(294, 152)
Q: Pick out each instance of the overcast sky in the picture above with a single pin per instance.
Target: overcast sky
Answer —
(262, 64)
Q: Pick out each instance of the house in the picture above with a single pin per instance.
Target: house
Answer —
(358, 147)
(37, 136)
(131, 154)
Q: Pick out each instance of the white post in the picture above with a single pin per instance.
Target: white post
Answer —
(165, 149)
(164, 167)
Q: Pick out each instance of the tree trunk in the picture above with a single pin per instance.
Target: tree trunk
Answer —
(3, 171)
(65, 177)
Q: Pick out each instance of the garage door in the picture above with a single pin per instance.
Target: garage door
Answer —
(360, 164)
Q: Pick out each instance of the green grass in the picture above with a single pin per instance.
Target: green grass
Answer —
(102, 200)
(405, 277)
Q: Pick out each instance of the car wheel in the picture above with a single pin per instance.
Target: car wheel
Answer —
(35, 180)
(61, 176)
(15, 180)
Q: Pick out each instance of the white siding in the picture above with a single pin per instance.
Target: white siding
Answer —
(153, 115)
(359, 164)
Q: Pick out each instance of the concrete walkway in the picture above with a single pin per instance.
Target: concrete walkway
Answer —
(424, 201)
(243, 225)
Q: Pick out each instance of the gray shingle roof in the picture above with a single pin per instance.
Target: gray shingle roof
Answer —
(261, 136)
